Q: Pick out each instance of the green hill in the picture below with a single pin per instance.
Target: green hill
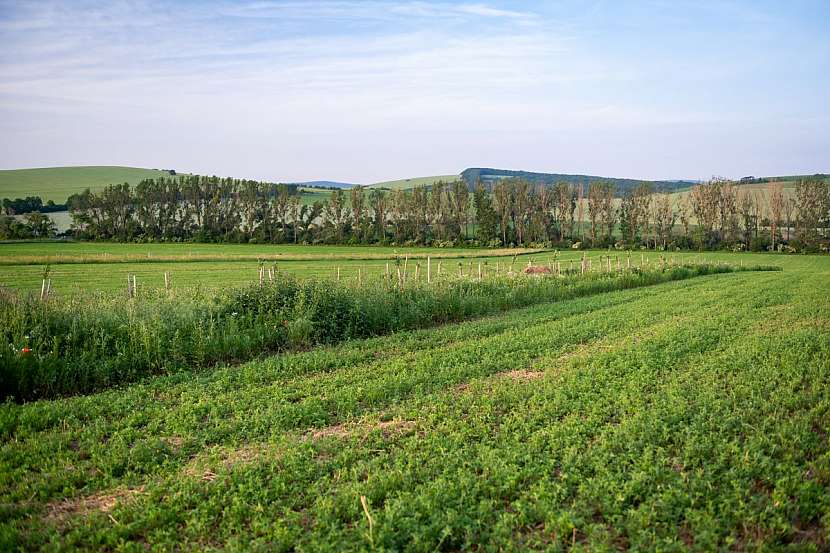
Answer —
(413, 182)
(488, 177)
(58, 183)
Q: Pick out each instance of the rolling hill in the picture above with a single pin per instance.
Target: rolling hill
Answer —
(489, 177)
(58, 183)
(325, 184)
(413, 182)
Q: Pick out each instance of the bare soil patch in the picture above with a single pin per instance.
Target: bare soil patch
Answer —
(103, 502)
(344, 430)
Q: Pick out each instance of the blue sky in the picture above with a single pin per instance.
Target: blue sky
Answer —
(376, 90)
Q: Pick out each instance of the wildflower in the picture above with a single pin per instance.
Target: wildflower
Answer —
(25, 350)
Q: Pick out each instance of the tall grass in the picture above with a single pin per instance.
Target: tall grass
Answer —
(86, 343)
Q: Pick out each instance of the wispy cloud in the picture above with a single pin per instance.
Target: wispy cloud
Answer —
(242, 74)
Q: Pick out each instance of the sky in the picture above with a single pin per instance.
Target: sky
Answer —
(365, 91)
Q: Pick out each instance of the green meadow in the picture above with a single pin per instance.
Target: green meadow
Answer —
(92, 267)
(104, 267)
(405, 184)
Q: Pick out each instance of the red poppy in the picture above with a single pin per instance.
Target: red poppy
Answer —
(25, 350)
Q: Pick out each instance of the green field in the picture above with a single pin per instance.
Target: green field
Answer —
(310, 195)
(87, 266)
(58, 183)
(686, 415)
(91, 266)
(405, 184)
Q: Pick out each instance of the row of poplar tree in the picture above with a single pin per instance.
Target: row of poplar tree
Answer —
(716, 214)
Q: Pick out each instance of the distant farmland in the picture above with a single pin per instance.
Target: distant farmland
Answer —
(405, 184)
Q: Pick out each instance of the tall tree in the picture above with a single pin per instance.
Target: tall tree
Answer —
(358, 203)
(378, 202)
(664, 217)
(812, 197)
(776, 207)
(336, 214)
(486, 216)
(503, 204)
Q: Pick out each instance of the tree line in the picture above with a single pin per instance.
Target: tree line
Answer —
(29, 204)
(23, 218)
(192, 207)
(513, 211)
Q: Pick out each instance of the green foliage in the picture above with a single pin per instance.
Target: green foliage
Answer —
(486, 216)
(31, 225)
(86, 343)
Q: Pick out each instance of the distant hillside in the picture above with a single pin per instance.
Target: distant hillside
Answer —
(58, 183)
(325, 184)
(413, 182)
(489, 177)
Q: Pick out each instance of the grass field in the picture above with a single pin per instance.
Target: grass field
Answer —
(58, 183)
(86, 266)
(90, 266)
(687, 415)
